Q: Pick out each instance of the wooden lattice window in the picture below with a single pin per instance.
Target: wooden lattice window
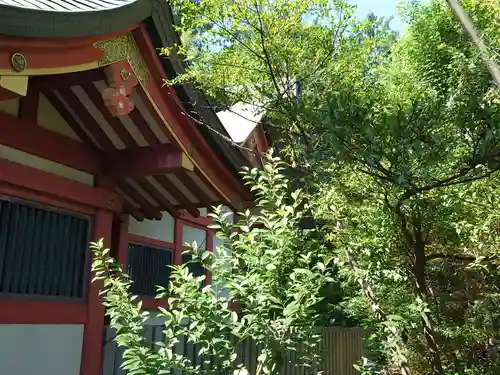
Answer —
(43, 251)
(148, 267)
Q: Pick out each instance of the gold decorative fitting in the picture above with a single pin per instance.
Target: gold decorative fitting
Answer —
(125, 74)
(18, 62)
(124, 48)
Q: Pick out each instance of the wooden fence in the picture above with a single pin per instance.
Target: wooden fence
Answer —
(341, 348)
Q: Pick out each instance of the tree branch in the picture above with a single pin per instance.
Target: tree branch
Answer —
(266, 53)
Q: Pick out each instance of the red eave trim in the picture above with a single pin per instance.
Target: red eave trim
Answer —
(183, 128)
(52, 53)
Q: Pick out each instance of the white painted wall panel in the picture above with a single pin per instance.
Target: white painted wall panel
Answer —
(41, 349)
(162, 230)
(49, 118)
(10, 106)
(218, 243)
(218, 246)
(192, 234)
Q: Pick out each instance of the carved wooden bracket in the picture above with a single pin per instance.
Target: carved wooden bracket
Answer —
(121, 81)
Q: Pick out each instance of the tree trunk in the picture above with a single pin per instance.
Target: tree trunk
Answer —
(376, 309)
(421, 285)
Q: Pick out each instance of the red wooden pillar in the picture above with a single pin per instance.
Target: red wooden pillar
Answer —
(93, 332)
(178, 241)
(122, 243)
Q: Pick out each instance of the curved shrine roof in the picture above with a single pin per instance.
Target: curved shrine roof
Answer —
(70, 18)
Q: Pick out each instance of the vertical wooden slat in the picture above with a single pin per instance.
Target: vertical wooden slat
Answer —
(48, 265)
(35, 257)
(342, 348)
(4, 235)
(21, 251)
(11, 244)
(67, 239)
(79, 234)
(26, 258)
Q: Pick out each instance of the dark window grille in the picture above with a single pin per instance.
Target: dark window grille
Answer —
(196, 268)
(148, 267)
(43, 251)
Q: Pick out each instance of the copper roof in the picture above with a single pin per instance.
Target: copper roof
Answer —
(67, 5)
(70, 18)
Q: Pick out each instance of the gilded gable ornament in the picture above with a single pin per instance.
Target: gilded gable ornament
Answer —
(124, 48)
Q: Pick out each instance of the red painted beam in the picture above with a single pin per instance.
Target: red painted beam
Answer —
(10, 190)
(138, 119)
(150, 303)
(261, 139)
(129, 209)
(201, 222)
(90, 123)
(28, 137)
(7, 94)
(28, 105)
(141, 240)
(196, 190)
(150, 211)
(70, 120)
(46, 183)
(50, 58)
(148, 188)
(144, 162)
(15, 311)
(179, 196)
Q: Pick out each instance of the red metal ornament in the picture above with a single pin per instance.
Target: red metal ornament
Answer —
(121, 81)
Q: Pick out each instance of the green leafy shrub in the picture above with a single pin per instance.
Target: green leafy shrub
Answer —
(274, 274)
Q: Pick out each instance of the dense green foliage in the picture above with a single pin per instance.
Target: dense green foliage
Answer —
(273, 281)
(400, 141)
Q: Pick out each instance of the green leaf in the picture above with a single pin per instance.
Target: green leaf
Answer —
(234, 316)
(270, 267)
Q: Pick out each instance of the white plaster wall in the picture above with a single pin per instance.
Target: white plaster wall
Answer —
(218, 247)
(41, 349)
(192, 234)
(49, 118)
(45, 165)
(219, 290)
(10, 106)
(162, 230)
